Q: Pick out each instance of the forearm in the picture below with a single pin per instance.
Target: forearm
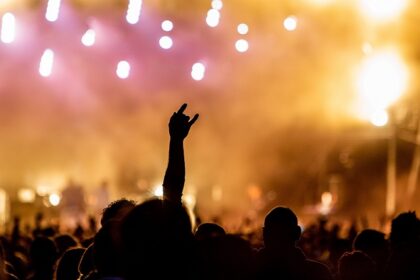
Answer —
(173, 182)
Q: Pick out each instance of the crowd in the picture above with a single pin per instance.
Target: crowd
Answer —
(155, 240)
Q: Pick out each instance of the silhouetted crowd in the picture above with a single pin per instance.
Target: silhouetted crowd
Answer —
(155, 239)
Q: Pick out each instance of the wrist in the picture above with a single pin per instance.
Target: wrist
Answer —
(177, 139)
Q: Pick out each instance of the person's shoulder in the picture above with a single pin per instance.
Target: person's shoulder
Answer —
(11, 277)
(320, 270)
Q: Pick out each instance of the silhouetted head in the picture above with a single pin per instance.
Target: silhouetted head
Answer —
(67, 268)
(64, 242)
(86, 264)
(209, 230)
(356, 266)
(405, 229)
(117, 210)
(107, 249)
(281, 228)
(373, 243)
(156, 235)
(43, 253)
(225, 257)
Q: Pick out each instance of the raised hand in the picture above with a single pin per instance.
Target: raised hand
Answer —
(173, 182)
(180, 124)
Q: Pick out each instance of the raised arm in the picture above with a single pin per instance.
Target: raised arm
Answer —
(173, 182)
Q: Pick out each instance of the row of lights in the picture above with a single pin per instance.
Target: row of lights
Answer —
(133, 14)
(368, 81)
(28, 196)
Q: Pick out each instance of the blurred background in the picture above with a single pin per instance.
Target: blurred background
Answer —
(311, 104)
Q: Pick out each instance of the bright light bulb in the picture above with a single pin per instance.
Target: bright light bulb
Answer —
(379, 118)
(133, 11)
(382, 80)
(213, 18)
(165, 42)
(123, 69)
(53, 10)
(290, 23)
(241, 45)
(54, 199)
(46, 64)
(243, 28)
(382, 10)
(197, 71)
(217, 4)
(88, 39)
(167, 25)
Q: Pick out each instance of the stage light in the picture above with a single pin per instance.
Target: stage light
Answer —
(326, 203)
(379, 118)
(26, 195)
(290, 23)
(382, 79)
(158, 191)
(53, 10)
(198, 70)
(167, 25)
(54, 199)
(241, 45)
(243, 28)
(46, 64)
(213, 18)
(217, 4)
(165, 42)
(123, 69)
(134, 11)
(382, 10)
(88, 39)
(8, 28)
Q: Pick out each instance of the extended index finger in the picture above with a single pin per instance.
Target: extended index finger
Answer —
(182, 108)
(193, 120)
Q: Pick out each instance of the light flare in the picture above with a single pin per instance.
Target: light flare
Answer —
(242, 45)
(47, 63)
(134, 11)
(217, 4)
(26, 195)
(290, 23)
(89, 38)
(123, 69)
(54, 199)
(167, 25)
(53, 10)
(213, 18)
(197, 71)
(8, 28)
(242, 29)
(166, 42)
(379, 118)
(382, 79)
(326, 203)
(382, 10)
(158, 191)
